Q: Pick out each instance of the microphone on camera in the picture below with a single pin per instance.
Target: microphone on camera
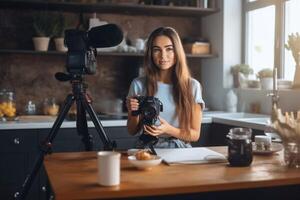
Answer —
(107, 35)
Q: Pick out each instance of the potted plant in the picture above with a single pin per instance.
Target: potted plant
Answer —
(240, 72)
(294, 46)
(42, 27)
(266, 78)
(59, 26)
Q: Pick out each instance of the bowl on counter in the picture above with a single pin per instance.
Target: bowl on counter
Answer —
(144, 164)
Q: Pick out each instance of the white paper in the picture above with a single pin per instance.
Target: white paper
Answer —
(196, 155)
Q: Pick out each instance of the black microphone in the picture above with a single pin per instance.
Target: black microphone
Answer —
(62, 76)
(107, 35)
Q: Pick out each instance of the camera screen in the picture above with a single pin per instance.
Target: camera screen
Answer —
(75, 61)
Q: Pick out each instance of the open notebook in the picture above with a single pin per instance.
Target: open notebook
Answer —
(196, 155)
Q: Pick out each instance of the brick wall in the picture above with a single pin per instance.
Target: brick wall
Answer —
(31, 76)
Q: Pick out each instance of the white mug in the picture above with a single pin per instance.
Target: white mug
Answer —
(263, 142)
(109, 168)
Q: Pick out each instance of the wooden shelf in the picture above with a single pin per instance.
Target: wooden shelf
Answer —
(32, 52)
(132, 9)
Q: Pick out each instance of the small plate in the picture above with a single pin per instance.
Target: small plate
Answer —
(144, 164)
(274, 148)
(131, 152)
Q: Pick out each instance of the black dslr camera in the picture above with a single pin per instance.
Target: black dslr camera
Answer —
(149, 109)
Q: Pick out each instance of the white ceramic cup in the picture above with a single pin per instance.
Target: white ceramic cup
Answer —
(109, 168)
(139, 44)
(262, 142)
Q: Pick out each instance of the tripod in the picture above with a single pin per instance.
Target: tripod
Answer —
(83, 104)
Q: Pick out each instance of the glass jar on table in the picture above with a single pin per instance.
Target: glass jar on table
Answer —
(240, 146)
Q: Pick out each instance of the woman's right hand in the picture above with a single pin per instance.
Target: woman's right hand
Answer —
(132, 104)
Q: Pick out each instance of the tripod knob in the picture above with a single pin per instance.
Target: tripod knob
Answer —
(16, 195)
(17, 141)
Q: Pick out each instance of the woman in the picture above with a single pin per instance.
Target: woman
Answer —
(167, 77)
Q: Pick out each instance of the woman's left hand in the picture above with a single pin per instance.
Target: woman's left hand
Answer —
(154, 130)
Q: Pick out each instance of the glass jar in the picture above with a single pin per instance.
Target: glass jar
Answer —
(30, 108)
(292, 154)
(2, 100)
(50, 107)
(8, 104)
(240, 146)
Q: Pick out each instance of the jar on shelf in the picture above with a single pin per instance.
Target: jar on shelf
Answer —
(30, 108)
(2, 105)
(7, 104)
(50, 107)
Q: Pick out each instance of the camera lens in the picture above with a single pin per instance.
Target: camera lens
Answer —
(150, 112)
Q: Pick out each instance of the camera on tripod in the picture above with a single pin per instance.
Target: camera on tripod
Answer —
(81, 59)
(81, 55)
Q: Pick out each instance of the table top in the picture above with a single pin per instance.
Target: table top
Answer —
(74, 175)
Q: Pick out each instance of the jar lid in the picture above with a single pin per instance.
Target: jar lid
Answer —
(240, 133)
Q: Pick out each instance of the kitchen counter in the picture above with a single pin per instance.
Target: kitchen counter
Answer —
(254, 121)
(45, 122)
(240, 119)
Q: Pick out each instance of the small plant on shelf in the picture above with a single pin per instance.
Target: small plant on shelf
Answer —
(265, 73)
(240, 74)
(59, 26)
(242, 68)
(43, 26)
(266, 78)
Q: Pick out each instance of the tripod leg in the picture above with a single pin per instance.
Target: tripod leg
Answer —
(152, 149)
(45, 148)
(82, 128)
(108, 145)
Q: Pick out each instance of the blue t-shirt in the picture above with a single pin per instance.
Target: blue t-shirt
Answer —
(164, 94)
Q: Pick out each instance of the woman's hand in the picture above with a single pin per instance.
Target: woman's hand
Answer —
(132, 104)
(154, 130)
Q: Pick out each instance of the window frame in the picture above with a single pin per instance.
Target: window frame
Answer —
(279, 30)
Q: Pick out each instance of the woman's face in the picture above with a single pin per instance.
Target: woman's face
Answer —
(163, 52)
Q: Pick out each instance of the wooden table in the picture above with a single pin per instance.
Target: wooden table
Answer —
(74, 176)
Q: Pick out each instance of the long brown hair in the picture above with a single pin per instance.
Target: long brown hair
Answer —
(181, 78)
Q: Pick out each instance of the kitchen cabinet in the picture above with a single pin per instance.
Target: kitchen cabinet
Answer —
(218, 132)
(19, 149)
(204, 139)
(67, 139)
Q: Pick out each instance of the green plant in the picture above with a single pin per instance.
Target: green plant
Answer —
(265, 73)
(43, 24)
(294, 46)
(242, 68)
(59, 25)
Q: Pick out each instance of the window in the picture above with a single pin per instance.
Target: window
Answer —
(260, 40)
(267, 26)
(292, 16)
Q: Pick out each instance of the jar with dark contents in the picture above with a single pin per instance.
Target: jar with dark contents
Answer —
(239, 147)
